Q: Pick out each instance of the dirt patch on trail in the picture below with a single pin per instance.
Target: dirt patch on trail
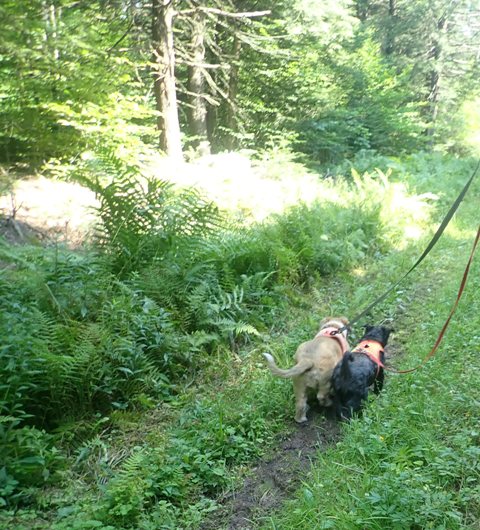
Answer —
(275, 478)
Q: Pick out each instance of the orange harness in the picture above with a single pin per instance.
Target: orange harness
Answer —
(373, 350)
(332, 333)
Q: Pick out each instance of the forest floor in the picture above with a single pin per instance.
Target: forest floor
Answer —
(276, 477)
(44, 210)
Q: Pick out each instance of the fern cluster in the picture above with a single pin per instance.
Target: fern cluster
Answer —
(144, 218)
(169, 280)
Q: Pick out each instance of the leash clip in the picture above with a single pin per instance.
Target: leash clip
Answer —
(339, 331)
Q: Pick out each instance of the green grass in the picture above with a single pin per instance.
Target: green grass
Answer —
(412, 460)
(160, 456)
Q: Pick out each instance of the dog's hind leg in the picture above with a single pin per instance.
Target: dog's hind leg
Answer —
(378, 383)
(301, 406)
(324, 399)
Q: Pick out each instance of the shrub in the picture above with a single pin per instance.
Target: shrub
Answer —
(28, 459)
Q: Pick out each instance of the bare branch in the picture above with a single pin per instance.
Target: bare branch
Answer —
(203, 65)
(221, 13)
(209, 99)
(121, 38)
(214, 86)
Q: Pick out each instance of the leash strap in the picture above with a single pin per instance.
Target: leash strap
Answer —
(429, 247)
(452, 311)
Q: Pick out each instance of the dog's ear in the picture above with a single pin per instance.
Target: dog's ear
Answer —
(368, 328)
(324, 321)
(344, 320)
(386, 333)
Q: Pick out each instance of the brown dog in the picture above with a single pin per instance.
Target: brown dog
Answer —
(315, 360)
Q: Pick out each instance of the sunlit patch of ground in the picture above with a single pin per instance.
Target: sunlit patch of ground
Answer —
(251, 190)
(238, 184)
(53, 209)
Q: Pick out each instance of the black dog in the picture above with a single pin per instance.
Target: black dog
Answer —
(358, 370)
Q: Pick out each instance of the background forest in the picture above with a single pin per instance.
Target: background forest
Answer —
(132, 392)
(327, 79)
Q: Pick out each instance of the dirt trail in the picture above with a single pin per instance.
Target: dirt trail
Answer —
(276, 477)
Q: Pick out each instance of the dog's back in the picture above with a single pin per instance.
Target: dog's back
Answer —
(351, 378)
(321, 351)
(318, 357)
(356, 372)
(315, 360)
(324, 355)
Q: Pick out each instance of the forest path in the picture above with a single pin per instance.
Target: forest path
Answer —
(277, 476)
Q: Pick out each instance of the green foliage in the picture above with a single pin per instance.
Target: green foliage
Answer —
(351, 97)
(28, 457)
(144, 219)
(219, 281)
(407, 31)
(376, 111)
(89, 336)
(411, 460)
(63, 84)
(177, 473)
(330, 79)
(28, 460)
(64, 358)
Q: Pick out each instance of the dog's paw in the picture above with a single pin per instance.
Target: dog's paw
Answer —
(301, 421)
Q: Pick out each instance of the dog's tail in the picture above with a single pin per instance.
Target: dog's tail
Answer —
(298, 369)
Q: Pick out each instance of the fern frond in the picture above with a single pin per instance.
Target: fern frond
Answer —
(237, 328)
(143, 218)
(242, 328)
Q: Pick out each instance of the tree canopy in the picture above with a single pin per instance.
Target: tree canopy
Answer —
(330, 78)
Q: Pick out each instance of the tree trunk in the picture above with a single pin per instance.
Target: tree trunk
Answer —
(435, 76)
(51, 17)
(164, 77)
(232, 109)
(390, 29)
(196, 85)
(51, 14)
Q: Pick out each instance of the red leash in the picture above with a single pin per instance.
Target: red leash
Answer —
(452, 311)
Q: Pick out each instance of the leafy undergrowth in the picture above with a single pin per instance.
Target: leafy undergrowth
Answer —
(127, 407)
(412, 460)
